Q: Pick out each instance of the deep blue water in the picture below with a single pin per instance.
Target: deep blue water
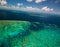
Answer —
(34, 27)
(32, 17)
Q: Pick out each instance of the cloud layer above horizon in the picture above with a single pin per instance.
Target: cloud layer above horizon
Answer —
(31, 5)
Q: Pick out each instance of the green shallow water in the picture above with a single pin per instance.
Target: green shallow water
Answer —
(22, 34)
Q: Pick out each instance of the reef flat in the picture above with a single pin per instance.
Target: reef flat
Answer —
(28, 34)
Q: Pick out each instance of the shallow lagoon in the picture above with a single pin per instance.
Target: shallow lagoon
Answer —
(28, 29)
(28, 34)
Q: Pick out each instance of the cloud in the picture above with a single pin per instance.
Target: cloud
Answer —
(29, 8)
(29, 0)
(3, 2)
(19, 4)
(39, 1)
(47, 9)
(36, 1)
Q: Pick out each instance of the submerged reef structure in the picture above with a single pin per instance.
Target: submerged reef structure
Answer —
(36, 26)
(28, 34)
(4, 42)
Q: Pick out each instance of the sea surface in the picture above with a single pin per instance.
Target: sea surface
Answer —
(29, 29)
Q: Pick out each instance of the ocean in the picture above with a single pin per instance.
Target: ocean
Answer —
(29, 29)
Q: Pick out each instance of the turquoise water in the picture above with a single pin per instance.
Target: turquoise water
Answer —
(28, 34)
(28, 29)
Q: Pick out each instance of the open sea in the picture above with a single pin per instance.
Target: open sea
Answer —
(29, 29)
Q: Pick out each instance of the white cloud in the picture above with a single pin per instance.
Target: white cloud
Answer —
(19, 4)
(36, 1)
(39, 1)
(33, 9)
(29, 0)
(3, 2)
(47, 9)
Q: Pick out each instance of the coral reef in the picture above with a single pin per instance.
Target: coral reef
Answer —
(28, 34)
(4, 42)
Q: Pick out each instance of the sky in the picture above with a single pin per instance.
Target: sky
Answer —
(33, 5)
